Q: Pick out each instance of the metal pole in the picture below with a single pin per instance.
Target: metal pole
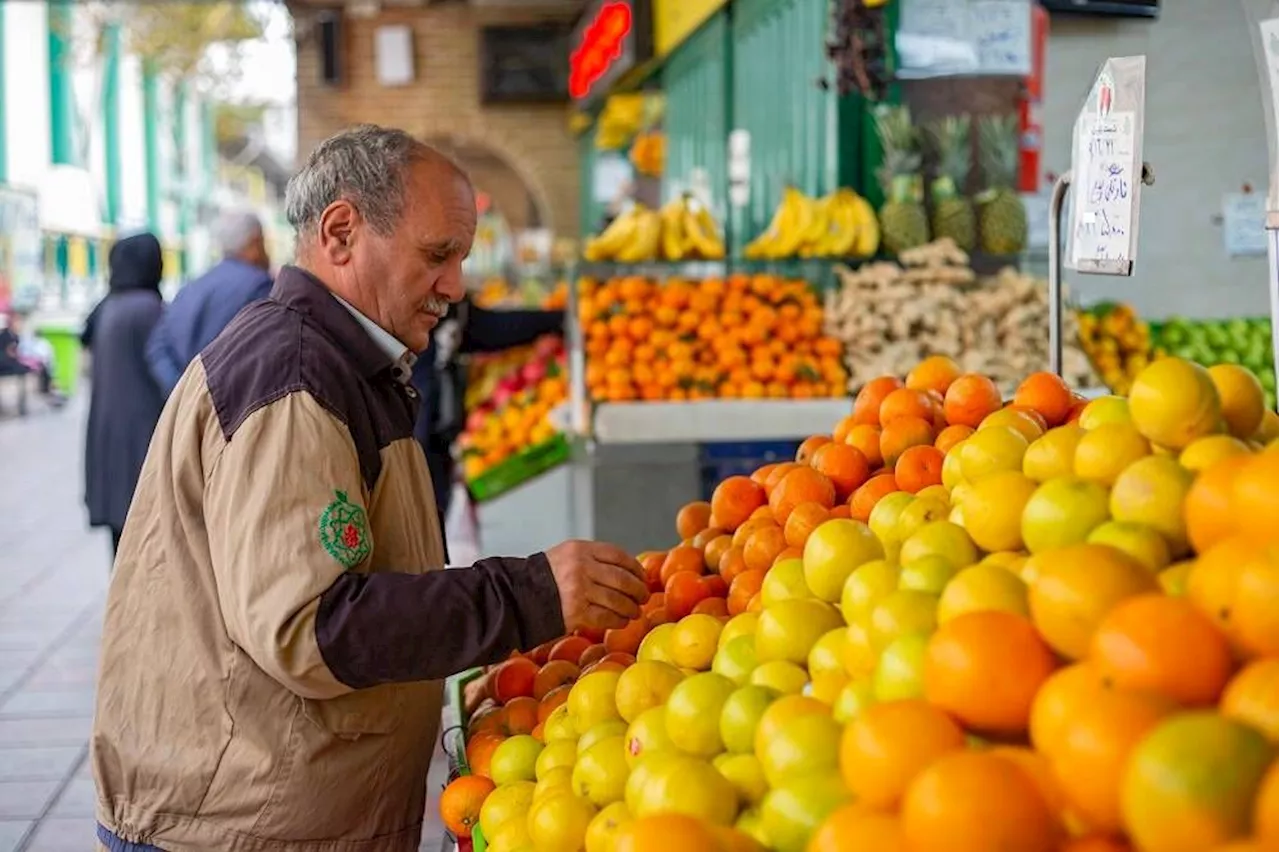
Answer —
(1060, 188)
(577, 358)
(1273, 285)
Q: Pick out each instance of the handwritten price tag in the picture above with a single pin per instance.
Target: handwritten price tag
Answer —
(1105, 185)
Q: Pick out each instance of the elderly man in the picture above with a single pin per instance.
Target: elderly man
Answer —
(202, 309)
(276, 630)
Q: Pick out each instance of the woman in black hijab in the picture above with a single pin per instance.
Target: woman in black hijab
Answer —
(125, 402)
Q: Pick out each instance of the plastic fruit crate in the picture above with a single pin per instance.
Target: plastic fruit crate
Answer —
(519, 469)
(454, 741)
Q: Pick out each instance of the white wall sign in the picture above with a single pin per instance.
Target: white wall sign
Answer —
(1001, 31)
(1106, 170)
(739, 168)
(393, 52)
(940, 38)
(1244, 221)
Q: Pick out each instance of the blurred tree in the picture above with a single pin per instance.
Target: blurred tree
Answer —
(234, 121)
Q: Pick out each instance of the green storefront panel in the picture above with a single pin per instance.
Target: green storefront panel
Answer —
(589, 211)
(695, 80)
(778, 60)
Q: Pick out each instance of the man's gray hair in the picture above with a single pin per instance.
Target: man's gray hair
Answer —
(365, 165)
(236, 231)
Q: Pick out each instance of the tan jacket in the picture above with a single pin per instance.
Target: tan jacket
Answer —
(275, 632)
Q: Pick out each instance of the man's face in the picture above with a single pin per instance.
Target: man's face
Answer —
(417, 269)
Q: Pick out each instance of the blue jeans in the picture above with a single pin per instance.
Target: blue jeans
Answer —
(115, 844)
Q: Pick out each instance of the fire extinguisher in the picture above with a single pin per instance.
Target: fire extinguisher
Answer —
(1030, 106)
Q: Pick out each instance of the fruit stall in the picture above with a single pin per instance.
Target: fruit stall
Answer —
(960, 619)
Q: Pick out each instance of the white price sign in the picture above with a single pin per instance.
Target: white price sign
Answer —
(1107, 170)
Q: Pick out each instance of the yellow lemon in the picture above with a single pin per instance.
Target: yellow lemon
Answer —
(1105, 451)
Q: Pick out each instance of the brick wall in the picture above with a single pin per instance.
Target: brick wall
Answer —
(442, 104)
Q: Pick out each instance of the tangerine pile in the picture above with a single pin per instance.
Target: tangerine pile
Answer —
(1056, 628)
(744, 336)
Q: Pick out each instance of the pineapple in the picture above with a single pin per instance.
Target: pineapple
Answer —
(952, 213)
(1002, 219)
(903, 223)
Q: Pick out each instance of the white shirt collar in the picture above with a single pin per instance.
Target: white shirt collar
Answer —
(400, 355)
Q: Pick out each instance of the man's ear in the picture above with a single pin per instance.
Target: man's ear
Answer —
(337, 231)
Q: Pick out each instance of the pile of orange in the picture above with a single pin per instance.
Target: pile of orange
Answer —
(744, 336)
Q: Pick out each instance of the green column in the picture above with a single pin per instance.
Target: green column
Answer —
(208, 148)
(62, 113)
(151, 143)
(182, 168)
(111, 122)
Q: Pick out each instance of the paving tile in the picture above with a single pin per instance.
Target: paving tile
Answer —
(25, 799)
(63, 834)
(42, 763)
(77, 799)
(69, 676)
(71, 730)
(12, 832)
(28, 702)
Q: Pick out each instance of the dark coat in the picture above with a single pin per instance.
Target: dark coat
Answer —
(125, 401)
(442, 386)
(199, 313)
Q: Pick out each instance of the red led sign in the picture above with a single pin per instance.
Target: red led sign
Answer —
(601, 46)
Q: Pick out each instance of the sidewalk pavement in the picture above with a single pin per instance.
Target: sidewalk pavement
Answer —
(55, 573)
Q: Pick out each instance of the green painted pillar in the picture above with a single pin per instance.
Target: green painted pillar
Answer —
(111, 123)
(151, 143)
(182, 168)
(62, 112)
(208, 148)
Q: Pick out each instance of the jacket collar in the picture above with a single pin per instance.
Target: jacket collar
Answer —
(372, 354)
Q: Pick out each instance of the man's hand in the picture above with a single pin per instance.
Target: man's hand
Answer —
(600, 585)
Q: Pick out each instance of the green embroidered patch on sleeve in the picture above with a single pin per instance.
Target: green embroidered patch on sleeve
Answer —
(344, 531)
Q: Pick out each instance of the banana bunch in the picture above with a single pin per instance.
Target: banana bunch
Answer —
(620, 120)
(689, 231)
(634, 237)
(841, 224)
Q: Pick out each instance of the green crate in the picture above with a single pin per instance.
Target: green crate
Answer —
(519, 469)
(458, 756)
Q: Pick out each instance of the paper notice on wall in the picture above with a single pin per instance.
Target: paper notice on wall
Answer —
(940, 38)
(1244, 224)
(1001, 31)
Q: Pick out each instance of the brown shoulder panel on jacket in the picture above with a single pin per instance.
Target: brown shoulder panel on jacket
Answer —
(387, 628)
(301, 338)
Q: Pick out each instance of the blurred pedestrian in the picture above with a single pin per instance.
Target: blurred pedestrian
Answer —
(23, 353)
(441, 378)
(202, 309)
(125, 401)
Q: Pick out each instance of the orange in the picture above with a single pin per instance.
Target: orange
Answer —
(761, 517)
(1242, 398)
(802, 485)
(902, 434)
(802, 521)
(1165, 645)
(853, 827)
(865, 438)
(551, 701)
(845, 466)
(554, 674)
(1255, 609)
(842, 429)
(1058, 701)
(869, 494)
(513, 679)
(1047, 394)
(1214, 579)
(951, 436)
(969, 801)
(866, 405)
(887, 745)
(1090, 758)
(684, 591)
(918, 467)
(480, 750)
(652, 562)
(692, 519)
(969, 399)
(626, 640)
(665, 832)
(775, 476)
(985, 668)
(1255, 497)
(1266, 820)
(1095, 843)
(460, 803)
(1076, 587)
(742, 589)
(1207, 507)
(682, 558)
(734, 500)
(704, 537)
(732, 563)
(809, 446)
(1039, 771)
(715, 550)
(905, 402)
(1250, 697)
(1192, 781)
(935, 373)
(763, 546)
